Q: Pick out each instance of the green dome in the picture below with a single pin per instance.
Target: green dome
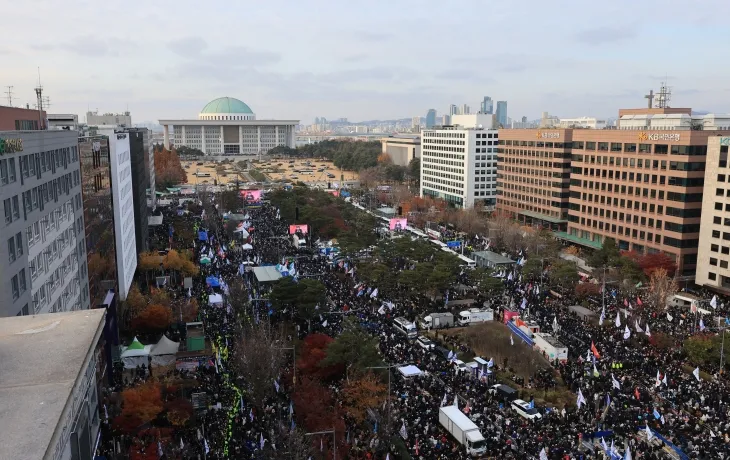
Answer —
(226, 105)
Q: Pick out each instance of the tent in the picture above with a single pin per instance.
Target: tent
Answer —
(215, 299)
(410, 371)
(212, 281)
(135, 354)
(246, 246)
(163, 352)
(203, 236)
(204, 260)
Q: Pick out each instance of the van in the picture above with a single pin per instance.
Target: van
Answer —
(503, 392)
(406, 327)
(525, 410)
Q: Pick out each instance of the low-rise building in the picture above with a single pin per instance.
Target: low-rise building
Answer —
(402, 149)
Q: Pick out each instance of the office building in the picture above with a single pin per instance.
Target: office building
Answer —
(487, 106)
(459, 161)
(501, 113)
(431, 118)
(43, 235)
(416, 123)
(453, 110)
(123, 166)
(672, 119)
(18, 119)
(582, 123)
(465, 110)
(713, 252)
(643, 188)
(402, 148)
(53, 370)
(96, 186)
(228, 126)
(67, 121)
(109, 119)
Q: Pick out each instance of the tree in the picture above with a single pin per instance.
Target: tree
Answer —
(354, 348)
(143, 402)
(179, 411)
(302, 296)
(414, 169)
(485, 281)
(532, 268)
(154, 318)
(703, 349)
(136, 302)
(584, 290)
(259, 359)
(168, 169)
(563, 273)
(651, 262)
(384, 158)
(313, 352)
(362, 393)
(607, 256)
(661, 288)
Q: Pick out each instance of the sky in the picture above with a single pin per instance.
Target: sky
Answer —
(365, 60)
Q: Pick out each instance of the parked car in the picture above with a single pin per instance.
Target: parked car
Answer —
(503, 392)
(523, 408)
(460, 366)
(443, 352)
(425, 343)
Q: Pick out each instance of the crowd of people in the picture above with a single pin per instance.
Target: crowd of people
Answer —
(631, 397)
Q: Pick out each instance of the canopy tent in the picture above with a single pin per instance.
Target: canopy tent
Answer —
(266, 274)
(163, 352)
(154, 221)
(410, 371)
(246, 247)
(215, 299)
(135, 354)
(212, 281)
(205, 260)
(173, 189)
(242, 231)
(203, 236)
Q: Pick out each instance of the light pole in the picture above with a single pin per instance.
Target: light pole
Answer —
(388, 367)
(334, 440)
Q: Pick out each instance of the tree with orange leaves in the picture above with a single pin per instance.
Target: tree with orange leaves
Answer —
(362, 393)
(168, 169)
(136, 302)
(154, 318)
(143, 402)
(179, 411)
(384, 158)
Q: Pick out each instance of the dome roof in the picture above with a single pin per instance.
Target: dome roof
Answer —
(226, 105)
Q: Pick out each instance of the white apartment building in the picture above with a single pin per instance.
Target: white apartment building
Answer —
(459, 162)
(713, 251)
(43, 248)
(63, 121)
(109, 119)
(675, 121)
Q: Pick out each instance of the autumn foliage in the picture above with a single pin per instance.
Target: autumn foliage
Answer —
(649, 263)
(362, 393)
(314, 350)
(587, 289)
(143, 402)
(179, 411)
(168, 168)
(153, 318)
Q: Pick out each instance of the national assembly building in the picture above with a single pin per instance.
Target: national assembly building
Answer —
(227, 126)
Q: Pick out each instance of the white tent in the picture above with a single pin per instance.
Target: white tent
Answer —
(215, 299)
(163, 352)
(135, 354)
(244, 233)
(410, 371)
(246, 246)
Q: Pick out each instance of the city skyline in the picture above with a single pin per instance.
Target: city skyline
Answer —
(352, 66)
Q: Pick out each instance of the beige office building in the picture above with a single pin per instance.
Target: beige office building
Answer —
(402, 149)
(713, 257)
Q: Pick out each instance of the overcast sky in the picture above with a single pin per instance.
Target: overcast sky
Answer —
(364, 60)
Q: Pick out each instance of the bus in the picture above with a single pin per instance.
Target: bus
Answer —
(469, 262)
(438, 243)
(202, 174)
(406, 327)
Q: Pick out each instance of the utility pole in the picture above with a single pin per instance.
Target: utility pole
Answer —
(9, 94)
(334, 440)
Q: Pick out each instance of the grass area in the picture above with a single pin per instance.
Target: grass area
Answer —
(689, 369)
(257, 175)
(492, 340)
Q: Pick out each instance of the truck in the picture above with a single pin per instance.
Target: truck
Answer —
(437, 321)
(551, 346)
(475, 315)
(298, 242)
(463, 430)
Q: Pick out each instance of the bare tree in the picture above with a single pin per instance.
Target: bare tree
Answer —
(661, 288)
(294, 444)
(505, 232)
(259, 360)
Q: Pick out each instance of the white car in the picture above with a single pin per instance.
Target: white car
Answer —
(460, 366)
(523, 408)
(425, 343)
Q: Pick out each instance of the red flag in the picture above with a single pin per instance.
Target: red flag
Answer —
(417, 447)
(626, 303)
(638, 301)
(595, 351)
(637, 394)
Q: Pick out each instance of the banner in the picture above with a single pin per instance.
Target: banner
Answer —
(334, 192)
(453, 244)
(251, 195)
(398, 223)
(303, 229)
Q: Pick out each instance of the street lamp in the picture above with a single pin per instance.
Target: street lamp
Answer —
(334, 440)
(388, 367)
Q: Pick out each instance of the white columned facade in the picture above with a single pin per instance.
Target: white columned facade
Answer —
(202, 136)
(276, 135)
(240, 140)
(258, 139)
(166, 130)
(184, 136)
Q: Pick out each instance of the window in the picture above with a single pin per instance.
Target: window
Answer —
(11, 250)
(4, 171)
(723, 264)
(711, 276)
(714, 247)
(16, 207)
(19, 243)
(713, 261)
(11, 169)
(15, 286)
(23, 284)
(8, 211)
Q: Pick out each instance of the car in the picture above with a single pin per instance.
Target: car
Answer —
(425, 343)
(200, 163)
(443, 352)
(503, 392)
(460, 366)
(525, 410)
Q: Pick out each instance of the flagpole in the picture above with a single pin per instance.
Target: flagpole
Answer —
(722, 349)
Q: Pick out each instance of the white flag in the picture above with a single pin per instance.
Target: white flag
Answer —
(637, 327)
(658, 380)
(511, 340)
(627, 333)
(696, 373)
(702, 325)
(456, 401)
(627, 455)
(662, 419)
(603, 316)
(581, 400)
(618, 320)
(205, 443)
(615, 382)
(555, 324)
(649, 434)
(664, 380)
(403, 432)
(324, 324)
(445, 400)
(543, 454)
(669, 317)
(713, 302)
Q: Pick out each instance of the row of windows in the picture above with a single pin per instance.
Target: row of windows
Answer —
(636, 233)
(628, 147)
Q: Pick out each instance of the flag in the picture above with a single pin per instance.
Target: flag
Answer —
(696, 373)
(669, 317)
(615, 382)
(618, 320)
(702, 325)
(403, 432)
(581, 400)
(205, 444)
(262, 441)
(627, 333)
(662, 419)
(626, 303)
(637, 327)
(250, 414)
(543, 454)
(657, 415)
(638, 301)
(604, 445)
(417, 446)
(291, 409)
(182, 444)
(647, 331)
(649, 434)
(608, 399)
(276, 385)
(713, 302)
(456, 400)
(445, 400)
(595, 371)
(375, 428)
(159, 449)
(636, 393)
(603, 316)
(490, 363)
(664, 380)
(658, 379)
(627, 455)
(595, 351)
(324, 324)
(511, 340)
(524, 303)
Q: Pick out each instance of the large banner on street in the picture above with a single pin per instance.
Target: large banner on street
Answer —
(303, 229)
(398, 223)
(251, 195)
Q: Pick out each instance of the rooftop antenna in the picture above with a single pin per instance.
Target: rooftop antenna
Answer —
(39, 97)
(664, 96)
(9, 93)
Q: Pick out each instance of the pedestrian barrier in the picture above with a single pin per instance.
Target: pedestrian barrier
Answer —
(520, 333)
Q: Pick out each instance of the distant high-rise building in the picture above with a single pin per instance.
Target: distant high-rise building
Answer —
(524, 119)
(445, 120)
(416, 123)
(109, 119)
(431, 118)
(502, 113)
(487, 106)
(453, 109)
(464, 110)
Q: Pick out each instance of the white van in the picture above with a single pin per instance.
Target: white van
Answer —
(406, 327)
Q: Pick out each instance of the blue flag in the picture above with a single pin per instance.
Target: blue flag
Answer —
(657, 415)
